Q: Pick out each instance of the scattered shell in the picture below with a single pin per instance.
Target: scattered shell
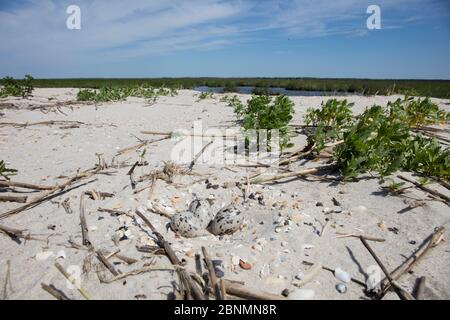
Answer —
(299, 276)
(284, 243)
(302, 294)
(285, 292)
(257, 247)
(61, 254)
(190, 253)
(93, 228)
(244, 265)
(341, 275)
(278, 229)
(360, 209)
(327, 210)
(307, 246)
(341, 288)
(319, 204)
(44, 255)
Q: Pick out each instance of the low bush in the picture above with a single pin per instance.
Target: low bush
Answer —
(17, 88)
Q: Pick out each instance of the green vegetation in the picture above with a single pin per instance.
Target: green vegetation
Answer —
(17, 88)
(380, 140)
(331, 120)
(262, 112)
(205, 95)
(425, 88)
(6, 172)
(106, 94)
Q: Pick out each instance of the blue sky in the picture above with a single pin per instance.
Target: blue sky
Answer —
(235, 38)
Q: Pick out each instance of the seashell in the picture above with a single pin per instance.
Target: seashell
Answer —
(61, 254)
(244, 265)
(227, 221)
(341, 275)
(341, 288)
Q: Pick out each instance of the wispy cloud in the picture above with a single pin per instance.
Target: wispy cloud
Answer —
(34, 31)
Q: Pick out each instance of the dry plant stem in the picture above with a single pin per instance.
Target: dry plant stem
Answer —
(58, 294)
(361, 283)
(223, 291)
(402, 293)
(24, 185)
(212, 274)
(84, 228)
(41, 123)
(66, 205)
(83, 292)
(346, 235)
(184, 275)
(50, 193)
(140, 145)
(106, 263)
(420, 288)
(242, 292)
(292, 174)
(198, 155)
(435, 193)
(431, 241)
(7, 280)
(18, 199)
(134, 273)
(15, 232)
(445, 184)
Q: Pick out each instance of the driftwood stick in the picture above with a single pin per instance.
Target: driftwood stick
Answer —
(84, 228)
(106, 263)
(15, 233)
(223, 290)
(402, 293)
(24, 185)
(51, 193)
(242, 292)
(198, 155)
(184, 275)
(7, 280)
(58, 294)
(292, 174)
(212, 274)
(435, 193)
(83, 292)
(18, 199)
(430, 242)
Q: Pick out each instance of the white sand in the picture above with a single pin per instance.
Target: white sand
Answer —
(42, 153)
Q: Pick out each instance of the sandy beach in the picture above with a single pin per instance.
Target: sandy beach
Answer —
(287, 224)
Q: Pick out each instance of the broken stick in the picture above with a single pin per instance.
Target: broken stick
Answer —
(58, 294)
(212, 274)
(184, 275)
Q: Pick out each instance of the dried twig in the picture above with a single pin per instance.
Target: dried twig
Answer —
(24, 185)
(242, 292)
(52, 193)
(83, 292)
(435, 193)
(84, 228)
(184, 275)
(401, 292)
(135, 272)
(107, 264)
(18, 199)
(58, 294)
(346, 235)
(7, 280)
(292, 174)
(212, 274)
(191, 165)
(430, 242)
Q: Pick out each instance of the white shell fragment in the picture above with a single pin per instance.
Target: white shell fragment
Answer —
(341, 288)
(341, 275)
(61, 254)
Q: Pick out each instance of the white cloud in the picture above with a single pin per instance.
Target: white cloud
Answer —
(35, 32)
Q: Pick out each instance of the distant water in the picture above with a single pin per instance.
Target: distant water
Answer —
(277, 90)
